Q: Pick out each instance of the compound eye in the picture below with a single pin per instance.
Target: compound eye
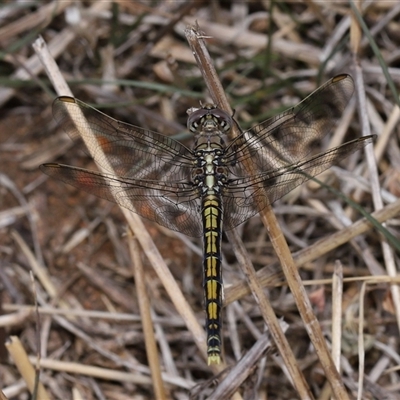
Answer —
(209, 112)
(225, 121)
(226, 124)
(195, 119)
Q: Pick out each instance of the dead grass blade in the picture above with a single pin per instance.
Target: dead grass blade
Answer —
(145, 306)
(134, 221)
(387, 250)
(282, 250)
(25, 368)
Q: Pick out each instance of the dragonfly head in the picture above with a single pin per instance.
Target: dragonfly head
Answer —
(209, 118)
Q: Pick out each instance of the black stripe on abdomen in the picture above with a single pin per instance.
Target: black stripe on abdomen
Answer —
(212, 223)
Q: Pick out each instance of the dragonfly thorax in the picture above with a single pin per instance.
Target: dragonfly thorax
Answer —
(209, 172)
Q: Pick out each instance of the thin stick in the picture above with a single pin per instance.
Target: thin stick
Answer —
(337, 299)
(134, 221)
(241, 371)
(319, 248)
(109, 374)
(361, 346)
(387, 251)
(280, 246)
(144, 306)
(25, 368)
(269, 317)
(214, 85)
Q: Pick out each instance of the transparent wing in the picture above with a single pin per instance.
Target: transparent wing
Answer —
(245, 197)
(279, 151)
(155, 171)
(130, 150)
(175, 205)
(289, 137)
(152, 169)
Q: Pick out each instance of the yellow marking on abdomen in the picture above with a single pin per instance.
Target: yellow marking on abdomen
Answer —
(212, 220)
(211, 267)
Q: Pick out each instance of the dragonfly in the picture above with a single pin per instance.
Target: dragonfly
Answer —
(200, 191)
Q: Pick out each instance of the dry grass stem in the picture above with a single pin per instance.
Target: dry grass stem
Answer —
(361, 347)
(21, 360)
(145, 312)
(99, 331)
(318, 249)
(337, 299)
(243, 369)
(210, 77)
(137, 226)
(387, 251)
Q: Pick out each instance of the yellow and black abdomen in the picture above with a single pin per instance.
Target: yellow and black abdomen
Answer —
(212, 223)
